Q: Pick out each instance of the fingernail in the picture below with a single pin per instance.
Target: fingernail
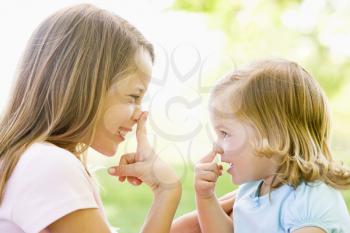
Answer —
(111, 170)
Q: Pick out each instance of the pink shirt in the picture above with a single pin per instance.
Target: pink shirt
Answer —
(47, 184)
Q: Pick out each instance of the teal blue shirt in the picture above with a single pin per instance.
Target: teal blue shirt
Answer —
(287, 209)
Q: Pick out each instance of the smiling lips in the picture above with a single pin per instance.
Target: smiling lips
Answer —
(122, 132)
(229, 170)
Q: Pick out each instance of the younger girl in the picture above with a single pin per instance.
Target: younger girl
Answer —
(273, 123)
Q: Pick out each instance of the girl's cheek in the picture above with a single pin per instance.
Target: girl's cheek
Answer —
(116, 115)
(234, 147)
(130, 111)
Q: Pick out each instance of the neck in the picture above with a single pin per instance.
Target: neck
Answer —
(267, 183)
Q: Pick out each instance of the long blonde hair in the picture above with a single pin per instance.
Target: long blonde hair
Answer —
(290, 113)
(68, 66)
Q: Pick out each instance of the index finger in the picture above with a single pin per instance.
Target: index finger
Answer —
(143, 147)
(209, 157)
(141, 132)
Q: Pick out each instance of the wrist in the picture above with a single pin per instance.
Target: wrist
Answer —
(206, 196)
(173, 189)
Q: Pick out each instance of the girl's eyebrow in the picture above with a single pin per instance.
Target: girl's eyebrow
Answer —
(220, 126)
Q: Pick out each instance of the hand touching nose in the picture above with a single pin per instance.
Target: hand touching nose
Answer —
(206, 175)
(145, 165)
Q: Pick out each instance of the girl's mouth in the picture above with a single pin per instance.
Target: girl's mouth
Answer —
(121, 133)
(229, 170)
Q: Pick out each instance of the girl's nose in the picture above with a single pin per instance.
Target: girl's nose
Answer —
(218, 148)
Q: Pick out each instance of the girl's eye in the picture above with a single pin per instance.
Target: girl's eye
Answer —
(223, 133)
(135, 97)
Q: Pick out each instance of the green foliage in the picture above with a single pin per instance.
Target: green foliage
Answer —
(196, 6)
(298, 30)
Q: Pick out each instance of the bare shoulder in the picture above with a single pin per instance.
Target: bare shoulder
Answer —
(84, 220)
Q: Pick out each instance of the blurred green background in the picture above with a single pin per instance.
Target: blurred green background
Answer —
(196, 42)
(127, 206)
(315, 33)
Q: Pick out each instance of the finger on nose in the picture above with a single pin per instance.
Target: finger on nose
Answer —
(141, 123)
(143, 116)
(209, 157)
(137, 113)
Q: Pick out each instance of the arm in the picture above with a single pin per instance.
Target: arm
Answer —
(164, 183)
(189, 223)
(145, 166)
(212, 217)
(162, 211)
(85, 220)
(309, 230)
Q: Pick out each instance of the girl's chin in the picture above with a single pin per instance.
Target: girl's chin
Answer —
(107, 150)
(234, 177)
(235, 181)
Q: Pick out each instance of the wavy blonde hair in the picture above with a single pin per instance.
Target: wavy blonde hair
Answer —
(69, 63)
(291, 117)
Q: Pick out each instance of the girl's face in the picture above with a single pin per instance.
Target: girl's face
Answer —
(235, 143)
(122, 107)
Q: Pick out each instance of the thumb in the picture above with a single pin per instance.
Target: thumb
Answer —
(125, 170)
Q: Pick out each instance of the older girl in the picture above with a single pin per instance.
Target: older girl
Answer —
(80, 84)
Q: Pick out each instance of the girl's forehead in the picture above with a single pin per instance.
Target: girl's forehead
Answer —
(223, 106)
(226, 120)
(143, 62)
(138, 74)
(221, 113)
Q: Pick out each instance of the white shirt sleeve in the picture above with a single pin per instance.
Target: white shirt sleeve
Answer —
(50, 183)
(316, 205)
